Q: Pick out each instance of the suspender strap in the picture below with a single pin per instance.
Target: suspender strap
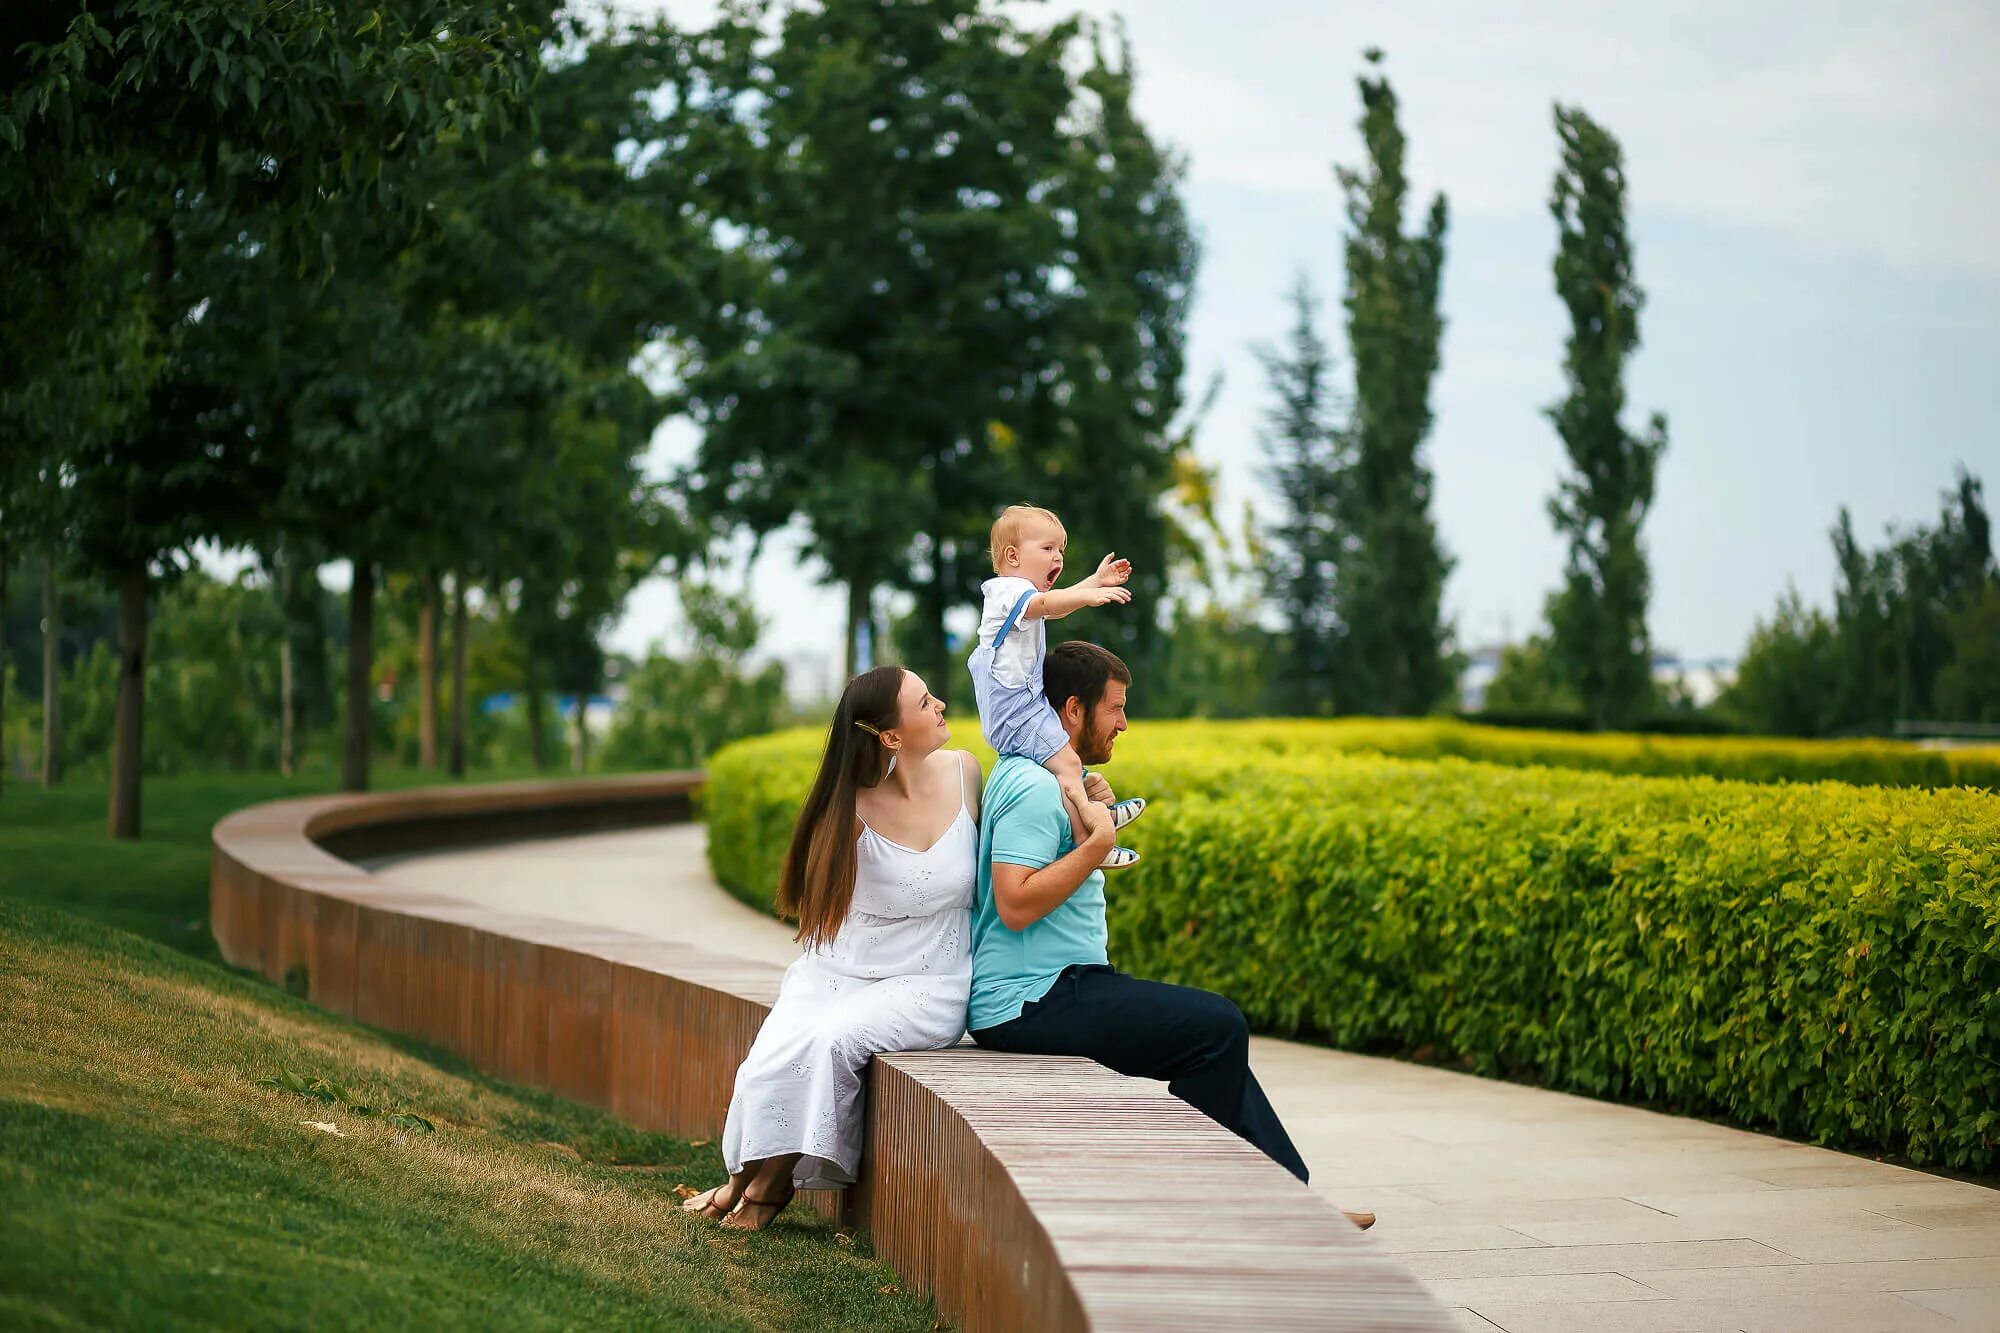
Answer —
(1013, 615)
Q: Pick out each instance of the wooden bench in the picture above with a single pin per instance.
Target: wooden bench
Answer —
(1020, 1192)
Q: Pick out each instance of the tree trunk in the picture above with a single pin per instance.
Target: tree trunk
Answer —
(579, 751)
(122, 820)
(52, 755)
(459, 623)
(934, 601)
(286, 706)
(6, 759)
(427, 675)
(360, 677)
(538, 740)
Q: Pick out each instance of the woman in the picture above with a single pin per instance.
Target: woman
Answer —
(879, 875)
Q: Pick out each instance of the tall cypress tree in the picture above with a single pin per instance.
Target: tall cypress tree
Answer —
(1391, 580)
(1307, 453)
(1598, 618)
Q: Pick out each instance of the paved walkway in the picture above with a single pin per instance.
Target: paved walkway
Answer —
(1522, 1209)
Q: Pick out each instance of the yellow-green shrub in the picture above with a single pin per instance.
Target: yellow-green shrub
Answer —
(1746, 758)
(1818, 959)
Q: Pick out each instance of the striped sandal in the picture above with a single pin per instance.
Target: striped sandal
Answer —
(1118, 858)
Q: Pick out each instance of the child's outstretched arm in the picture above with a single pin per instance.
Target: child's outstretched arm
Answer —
(1103, 588)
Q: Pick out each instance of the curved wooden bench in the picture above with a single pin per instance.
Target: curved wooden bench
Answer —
(1018, 1191)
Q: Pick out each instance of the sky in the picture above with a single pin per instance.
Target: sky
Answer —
(1814, 204)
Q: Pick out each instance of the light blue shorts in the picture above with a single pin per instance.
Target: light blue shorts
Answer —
(1015, 720)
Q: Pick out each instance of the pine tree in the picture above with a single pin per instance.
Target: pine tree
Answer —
(1391, 581)
(1598, 618)
(1308, 454)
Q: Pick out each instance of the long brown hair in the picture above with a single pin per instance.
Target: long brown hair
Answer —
(817, 883)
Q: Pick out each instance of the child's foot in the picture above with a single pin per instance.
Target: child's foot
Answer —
(1125, 812)
(1118, 858)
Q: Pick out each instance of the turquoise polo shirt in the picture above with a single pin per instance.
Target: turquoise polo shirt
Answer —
(1023, 822)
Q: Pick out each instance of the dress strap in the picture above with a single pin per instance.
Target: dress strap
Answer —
(964, 797)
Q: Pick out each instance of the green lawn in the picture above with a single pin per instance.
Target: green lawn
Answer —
(149, 1179)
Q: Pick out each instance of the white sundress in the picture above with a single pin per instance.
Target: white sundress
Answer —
(895, 978)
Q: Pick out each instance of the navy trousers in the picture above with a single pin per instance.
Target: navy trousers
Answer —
(1195, 1039)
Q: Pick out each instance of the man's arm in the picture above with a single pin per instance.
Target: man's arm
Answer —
(1023, 895)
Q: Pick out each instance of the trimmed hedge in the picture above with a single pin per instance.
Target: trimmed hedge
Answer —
(1819, 960)
(1744, 758)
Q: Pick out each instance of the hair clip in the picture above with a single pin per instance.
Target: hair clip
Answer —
(869, 727)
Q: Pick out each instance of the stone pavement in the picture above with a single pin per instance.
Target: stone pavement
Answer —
(1521, 1209)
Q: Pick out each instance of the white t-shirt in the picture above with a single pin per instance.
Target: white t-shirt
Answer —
(1014, 661)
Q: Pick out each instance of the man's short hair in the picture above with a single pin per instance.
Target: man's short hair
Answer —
(1079, 670)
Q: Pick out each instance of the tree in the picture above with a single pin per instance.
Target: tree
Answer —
(678, 710)
(1910, 637)
(1787, 683)
(963, 273)
(1106, 425)
(1390, 581)
(1528, 681)
(1894, 610)
(1598, 618)
(1968, 688)
(195, 121)
(1309, 459)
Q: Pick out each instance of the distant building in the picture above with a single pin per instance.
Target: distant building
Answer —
(1482, 664)
(598, 709)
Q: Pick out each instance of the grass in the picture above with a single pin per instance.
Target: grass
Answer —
(54, 852)
(151, 1179)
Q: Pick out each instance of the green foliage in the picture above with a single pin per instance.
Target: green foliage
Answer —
(1310, 456)
(1788, 678)
(1968, 688)
(1598, 619)
(1912, 635)
(1390, 582)
(678, 711)
(961, 281)
(1528, 680)
(1819, 960)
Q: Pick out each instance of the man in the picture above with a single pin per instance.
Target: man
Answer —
(1041, 980)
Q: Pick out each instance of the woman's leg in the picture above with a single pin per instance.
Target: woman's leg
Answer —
(765, 1194)
(716, 1203)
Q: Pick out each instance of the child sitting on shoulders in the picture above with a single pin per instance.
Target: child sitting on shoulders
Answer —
(1027, 549)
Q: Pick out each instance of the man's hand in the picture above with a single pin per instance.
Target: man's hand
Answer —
(1097, 829)
(1097, 789)
(1112, 572)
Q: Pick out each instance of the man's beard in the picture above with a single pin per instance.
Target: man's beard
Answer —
(1094, 747)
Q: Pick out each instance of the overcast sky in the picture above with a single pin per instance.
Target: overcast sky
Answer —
(1815, 202)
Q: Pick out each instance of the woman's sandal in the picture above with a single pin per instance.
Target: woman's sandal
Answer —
(777, 1205)
(705, 1204)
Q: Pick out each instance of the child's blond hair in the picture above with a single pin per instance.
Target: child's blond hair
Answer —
(1007, 528)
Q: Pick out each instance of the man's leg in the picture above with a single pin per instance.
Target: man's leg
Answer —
(1195, 1039)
